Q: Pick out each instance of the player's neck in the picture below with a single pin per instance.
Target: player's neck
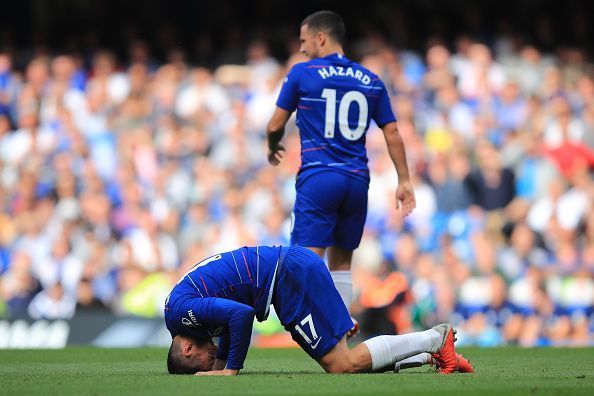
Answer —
(334, 49)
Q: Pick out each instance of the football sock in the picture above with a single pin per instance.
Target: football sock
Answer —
(414, 361)
(386, 350)
(343, 280)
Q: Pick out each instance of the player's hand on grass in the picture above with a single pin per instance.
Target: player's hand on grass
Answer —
(275, 154)
(405, 198)
(225, 372)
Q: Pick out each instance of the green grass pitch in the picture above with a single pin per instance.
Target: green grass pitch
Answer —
(90, 371)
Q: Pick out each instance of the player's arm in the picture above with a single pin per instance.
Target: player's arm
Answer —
(222, 353)
(275, 130)
(405, 196)
(237, 320)
(219, 365)
(285, 106)
(384, 117)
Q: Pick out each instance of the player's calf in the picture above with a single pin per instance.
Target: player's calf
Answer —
(342, 360)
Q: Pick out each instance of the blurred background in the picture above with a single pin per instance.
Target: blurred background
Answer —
(132, 145)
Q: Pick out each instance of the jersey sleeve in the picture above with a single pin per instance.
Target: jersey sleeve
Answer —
(231, 317)
(383, 111)
(289, 94)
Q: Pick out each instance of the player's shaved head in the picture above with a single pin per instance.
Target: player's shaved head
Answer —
(188, 355)
(177, 362)
(328, 22)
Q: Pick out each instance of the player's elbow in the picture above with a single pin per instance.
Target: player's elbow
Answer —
(391, 134)
(246, 311)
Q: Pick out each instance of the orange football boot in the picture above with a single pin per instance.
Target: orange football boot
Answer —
(445, 357)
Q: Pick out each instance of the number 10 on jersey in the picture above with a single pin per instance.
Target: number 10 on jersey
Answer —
(343, 114)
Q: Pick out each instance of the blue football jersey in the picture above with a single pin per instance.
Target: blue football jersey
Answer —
(220, 296)
(335, 99)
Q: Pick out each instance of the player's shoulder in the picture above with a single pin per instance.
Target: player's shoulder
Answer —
(311, 64)
(300, 66)
(374, 77)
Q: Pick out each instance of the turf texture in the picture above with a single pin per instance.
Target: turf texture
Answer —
(90, 371)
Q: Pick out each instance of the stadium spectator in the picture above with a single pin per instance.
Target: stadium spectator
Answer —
(115, 173)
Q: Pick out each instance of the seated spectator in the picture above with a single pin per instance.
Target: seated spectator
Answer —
(491, 185)
(52, 303)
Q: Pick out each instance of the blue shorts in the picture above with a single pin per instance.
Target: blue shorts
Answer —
(330, 210)
(307, 303)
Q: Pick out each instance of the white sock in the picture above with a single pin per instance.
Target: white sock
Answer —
(386, 350)
(414, 361)
(343, 280)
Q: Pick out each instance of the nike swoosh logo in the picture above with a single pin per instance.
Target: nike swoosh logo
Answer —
(314, 346)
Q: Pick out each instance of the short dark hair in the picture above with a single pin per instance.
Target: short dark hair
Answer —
(177, 363)
(328, 22)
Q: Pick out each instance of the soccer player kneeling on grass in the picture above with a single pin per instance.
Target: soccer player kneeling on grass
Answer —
(221, 295)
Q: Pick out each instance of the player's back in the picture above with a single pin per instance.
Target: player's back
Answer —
(244, 275)
(336, 99)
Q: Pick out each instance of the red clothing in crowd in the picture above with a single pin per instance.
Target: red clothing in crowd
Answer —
(570, 156)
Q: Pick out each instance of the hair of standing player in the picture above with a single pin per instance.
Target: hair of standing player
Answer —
(328, 22)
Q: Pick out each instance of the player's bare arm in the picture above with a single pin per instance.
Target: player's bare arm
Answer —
(275, 131)
(405, 196)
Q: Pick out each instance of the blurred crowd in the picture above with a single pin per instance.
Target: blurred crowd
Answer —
(117, 176)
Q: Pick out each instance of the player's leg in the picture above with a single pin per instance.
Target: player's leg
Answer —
(313, 312)
(378, 353)
(463, 365)
(341, 359)
(315, 212)
(320, 251)
(347, 236)
(339, 263)
(414, 361)
(319, 203)
(308, 304)
(339, 259)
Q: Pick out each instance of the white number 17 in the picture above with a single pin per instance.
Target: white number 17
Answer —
(312, 329)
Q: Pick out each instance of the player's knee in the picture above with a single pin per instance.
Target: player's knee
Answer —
(339, 259)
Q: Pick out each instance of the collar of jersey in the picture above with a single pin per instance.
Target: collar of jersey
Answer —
(335, 55)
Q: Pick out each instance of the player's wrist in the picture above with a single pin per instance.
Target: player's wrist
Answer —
(273, 145)
(219, 364)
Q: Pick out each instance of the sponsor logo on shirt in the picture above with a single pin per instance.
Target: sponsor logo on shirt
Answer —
(193, 318)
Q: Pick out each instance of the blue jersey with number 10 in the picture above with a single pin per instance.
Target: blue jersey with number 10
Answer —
(335, 99)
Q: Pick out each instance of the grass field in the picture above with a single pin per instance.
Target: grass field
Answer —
(89, 371)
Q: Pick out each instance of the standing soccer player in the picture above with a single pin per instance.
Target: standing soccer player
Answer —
(335, 99)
